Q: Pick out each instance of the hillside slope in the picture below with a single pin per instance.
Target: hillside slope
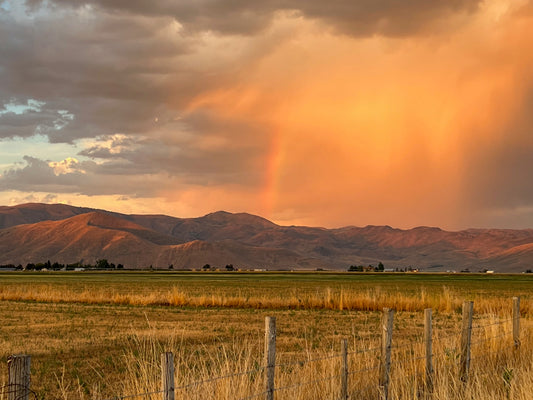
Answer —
(87, 237)
(34, 232)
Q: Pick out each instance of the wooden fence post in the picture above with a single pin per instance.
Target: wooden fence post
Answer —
(167, 375)
(516, 322)
(270, 355)
(428, 333)
(344, 372)
(466, 339)
(18, 377)
(386, 346)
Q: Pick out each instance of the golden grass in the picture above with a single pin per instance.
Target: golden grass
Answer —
(97, 355)
(91, 339)
(443, 300)
(498, 371)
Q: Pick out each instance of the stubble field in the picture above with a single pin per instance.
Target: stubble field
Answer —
(97, 335)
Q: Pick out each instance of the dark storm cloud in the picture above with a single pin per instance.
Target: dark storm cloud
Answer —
(226, 153)
(84, 178)
(117, 65)
(214, 150)
(359, 18)
(111, 73)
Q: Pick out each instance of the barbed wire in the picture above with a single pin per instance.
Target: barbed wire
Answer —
(301, 363)
(452, 335)
(336, 355)
(131, 396)
(192, 384)
(15, 388)
(488, 353)
(218, 378)
(490, 338)
(360, 371)
(300, 384)
(401, 363)
(501, 322)
(364, 351)
(400, 351)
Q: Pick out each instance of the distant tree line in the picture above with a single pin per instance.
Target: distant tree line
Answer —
(379, 268)
(369, 268)
(56, 266)
(208, 267)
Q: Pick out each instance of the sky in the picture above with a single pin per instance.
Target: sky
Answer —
(306, 112)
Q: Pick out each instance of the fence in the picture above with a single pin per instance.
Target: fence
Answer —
(370, 377)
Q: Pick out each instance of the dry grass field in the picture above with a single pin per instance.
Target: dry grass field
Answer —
(100, 335)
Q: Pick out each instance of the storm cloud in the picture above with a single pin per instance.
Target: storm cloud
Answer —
(361, 18)
(302, 111)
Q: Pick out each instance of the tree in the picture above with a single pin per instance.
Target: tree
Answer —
(56, 266)
(206, 267)
(102, 263)
(229, 267)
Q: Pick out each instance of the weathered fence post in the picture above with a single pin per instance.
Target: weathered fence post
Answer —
(466, 339)
(18, 377)
(428, 333)
(386, 346)
(167, 375)
(270, 355)
(344, 372)
(516, 322)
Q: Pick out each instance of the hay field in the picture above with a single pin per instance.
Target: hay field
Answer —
(98, 335)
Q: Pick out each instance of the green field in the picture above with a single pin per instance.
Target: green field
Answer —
(250, 282)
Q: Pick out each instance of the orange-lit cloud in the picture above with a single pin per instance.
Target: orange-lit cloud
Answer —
(384, 130)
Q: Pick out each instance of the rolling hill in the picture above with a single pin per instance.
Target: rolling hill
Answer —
(67, 234)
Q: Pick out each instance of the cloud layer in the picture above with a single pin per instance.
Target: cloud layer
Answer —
(337, 113)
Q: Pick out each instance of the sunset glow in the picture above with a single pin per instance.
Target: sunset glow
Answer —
(299, 113)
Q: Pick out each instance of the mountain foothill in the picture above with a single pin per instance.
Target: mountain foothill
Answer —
(36, 232)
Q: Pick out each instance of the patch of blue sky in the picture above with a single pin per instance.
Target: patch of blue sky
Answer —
(13, 150)
(20, 108)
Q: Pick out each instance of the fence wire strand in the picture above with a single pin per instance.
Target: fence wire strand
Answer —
(404, 355)
(131, 396)
(364, 351)
(360, 371)
(300, 384)
(501, 322)
(12, 388)
(301, 363)
(490, 338)
(218, 378)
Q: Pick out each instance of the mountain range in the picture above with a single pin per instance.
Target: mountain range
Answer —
(34, 232)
